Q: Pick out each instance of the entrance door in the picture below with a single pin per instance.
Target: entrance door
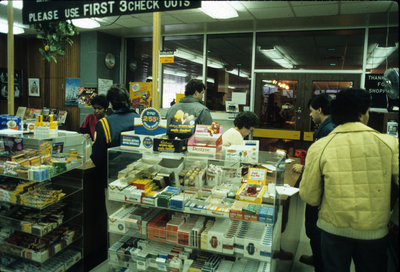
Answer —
(281, 102)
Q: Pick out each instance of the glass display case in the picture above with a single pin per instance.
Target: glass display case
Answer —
(41, 213)
(181, 210)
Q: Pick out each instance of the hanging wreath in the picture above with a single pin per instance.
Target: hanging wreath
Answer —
(55, 37)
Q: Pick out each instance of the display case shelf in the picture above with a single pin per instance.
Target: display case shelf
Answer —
(62, 262)
(215, 194)
(67, 190)
(37, 256)
(38, 228)
(118, 257)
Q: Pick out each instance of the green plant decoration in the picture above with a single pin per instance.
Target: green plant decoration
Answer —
(55, 37)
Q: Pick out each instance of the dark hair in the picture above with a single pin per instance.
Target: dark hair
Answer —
(100, 100)
(349, 105)
(118, 96)
(194, 85)
(246, 119)
(322, 101)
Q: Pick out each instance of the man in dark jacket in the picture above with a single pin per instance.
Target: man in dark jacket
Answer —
(320, 113)
(191, 106)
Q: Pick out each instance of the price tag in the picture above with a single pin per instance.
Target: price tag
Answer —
(257, 175)
(150, 118)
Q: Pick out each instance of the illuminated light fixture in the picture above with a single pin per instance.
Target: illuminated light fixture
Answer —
(86, 23)
(175, 73)
(16, 3)
(242, 73)
(197, 58)
(379, 55)
(218, 9)
(277, 56)
(209, 79)
(16, 29)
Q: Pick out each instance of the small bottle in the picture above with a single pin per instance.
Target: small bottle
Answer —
(392, 128)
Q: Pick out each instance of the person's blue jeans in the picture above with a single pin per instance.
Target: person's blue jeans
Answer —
(368, 255)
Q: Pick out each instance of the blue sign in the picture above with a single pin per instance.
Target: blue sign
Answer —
(148, 142)
(150, 118)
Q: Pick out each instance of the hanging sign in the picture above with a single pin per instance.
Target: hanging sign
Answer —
(45, 11)
(374, 85)
(166, 56)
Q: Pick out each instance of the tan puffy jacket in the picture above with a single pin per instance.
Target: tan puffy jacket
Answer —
(348, 174)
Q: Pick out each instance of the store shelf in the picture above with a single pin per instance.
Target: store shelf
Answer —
(70, 166)
(39, 256)
(62, 262)
(119, 259)
(39, 228)
(202, 212)
(67, 190)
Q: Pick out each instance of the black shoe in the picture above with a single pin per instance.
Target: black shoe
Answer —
(307, 260)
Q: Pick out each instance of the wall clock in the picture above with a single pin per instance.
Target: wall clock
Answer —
(109, 60)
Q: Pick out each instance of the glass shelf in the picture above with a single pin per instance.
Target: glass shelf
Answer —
(62, 261)
(203, 212)
(70, 166)
(67, 190)
(38, 256)
(127, 260)
(38, 228)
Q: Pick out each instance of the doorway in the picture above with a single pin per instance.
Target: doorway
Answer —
(281, 102)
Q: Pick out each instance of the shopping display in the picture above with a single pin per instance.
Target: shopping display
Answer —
(39, 230)
(210, 212)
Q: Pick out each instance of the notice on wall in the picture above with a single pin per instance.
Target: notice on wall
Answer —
(103, 85)
(374, 85)
(45, 11)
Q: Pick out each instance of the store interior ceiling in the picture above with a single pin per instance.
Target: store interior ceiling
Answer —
(260, 16)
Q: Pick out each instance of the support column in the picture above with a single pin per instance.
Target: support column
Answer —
(155, 94)
(10, 58)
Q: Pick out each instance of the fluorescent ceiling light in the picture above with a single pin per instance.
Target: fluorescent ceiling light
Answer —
(209, 79)
(4, 28)
(379, 55)
(85, 23)
(175, 73)
(277, 56)
(16, 3)
(218, 9)
(242, 73)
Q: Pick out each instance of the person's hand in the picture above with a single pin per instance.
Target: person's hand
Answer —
(87, 136)
(298, 168)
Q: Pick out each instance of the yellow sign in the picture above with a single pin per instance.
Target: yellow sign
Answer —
(140, 93)
(166, 59)
(179, 96)
(277, 133)
(308, 136)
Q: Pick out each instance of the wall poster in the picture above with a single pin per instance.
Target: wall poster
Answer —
(71, 91)
(18, 77)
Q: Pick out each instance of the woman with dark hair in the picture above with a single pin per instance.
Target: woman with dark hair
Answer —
(245, 122)
(88, 126)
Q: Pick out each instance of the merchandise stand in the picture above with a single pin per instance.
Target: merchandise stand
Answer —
(41, 218)
(175, 212)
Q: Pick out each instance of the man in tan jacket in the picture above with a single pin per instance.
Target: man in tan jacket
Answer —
(348, 175)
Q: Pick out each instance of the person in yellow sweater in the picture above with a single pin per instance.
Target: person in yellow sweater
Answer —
(348, 175)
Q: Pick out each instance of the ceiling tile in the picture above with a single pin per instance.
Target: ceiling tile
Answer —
(269, 13)
(318, 10)
(349, 7)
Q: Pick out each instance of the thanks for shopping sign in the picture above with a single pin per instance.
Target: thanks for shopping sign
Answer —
(40, 11)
